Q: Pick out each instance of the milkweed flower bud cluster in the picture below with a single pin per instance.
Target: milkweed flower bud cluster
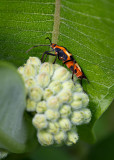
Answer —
(58, 105)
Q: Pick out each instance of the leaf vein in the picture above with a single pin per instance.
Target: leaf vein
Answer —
(83, 58)
(87, 15)
(88, 40)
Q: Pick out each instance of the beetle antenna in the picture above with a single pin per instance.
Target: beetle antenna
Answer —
(37, 46)
(49, 39)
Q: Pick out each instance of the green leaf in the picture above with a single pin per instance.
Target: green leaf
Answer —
(14, 127)
(84, 27)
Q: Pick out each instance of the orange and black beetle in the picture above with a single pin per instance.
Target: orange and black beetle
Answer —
(65, 56)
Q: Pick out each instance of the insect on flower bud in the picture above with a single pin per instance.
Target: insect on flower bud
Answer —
(61, 74)
(55, 86)
(65, 111)
(39, 121)
(41, 107)
(65, 124)
(72, 138)
(58, 104)
(47, 68)
(36, 93)
(43, 79)
(45, 138)
(31, 105)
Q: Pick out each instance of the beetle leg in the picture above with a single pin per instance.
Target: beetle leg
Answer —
(81, 81)
(44, 59)
(47, 53)
(55, 58)
(73, 71)
(72, 76)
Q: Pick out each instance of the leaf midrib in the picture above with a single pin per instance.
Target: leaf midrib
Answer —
(55, 32)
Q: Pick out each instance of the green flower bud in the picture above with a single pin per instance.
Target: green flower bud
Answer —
(36, 93)
(65, 124)
(58, 104)
(29, 71)
(85, 99)
(81, 97)
(53, 102)
(52, 114)
(45, 138)
(78, 88)
(43, 79)
(86, 115)
(68, 85)
(72, 138)
(55, 86)
(41, 107)
(31, 105)
(21, 70)
(48, 68)
(60, 137)
(61, 74)
(34, 61)
(39, 121)
(47, 93)
(56, 66)
(65, 111)
(77, 96)
(76, 104)
(53, 127)
(65, 96)
(30, 82)
(77, 118)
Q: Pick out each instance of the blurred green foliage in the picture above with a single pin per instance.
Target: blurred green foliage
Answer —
(16, 129)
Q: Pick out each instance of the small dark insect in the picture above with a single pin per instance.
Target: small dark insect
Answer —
(65, 56)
